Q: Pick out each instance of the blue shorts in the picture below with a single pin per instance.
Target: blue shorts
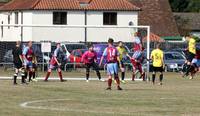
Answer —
(196, 61)
(28, 64)
(112, 68)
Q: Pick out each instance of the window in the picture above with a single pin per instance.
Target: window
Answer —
(16, 18)
(8, 21)
(59, 18)
(2, 30)
(110, 18)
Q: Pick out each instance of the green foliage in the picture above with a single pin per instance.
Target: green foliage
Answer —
(196, 38)
(185, 5)
(5, 0)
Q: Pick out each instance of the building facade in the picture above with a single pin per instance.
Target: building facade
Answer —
(68, 12)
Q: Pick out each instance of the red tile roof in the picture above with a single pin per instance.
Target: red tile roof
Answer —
(2, 3)
(84, 1)
(111, 5)
(157, 14)
(70, 5)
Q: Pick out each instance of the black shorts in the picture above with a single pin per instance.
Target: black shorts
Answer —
(94, 65)
(157, 69)
(18, 65)
(190, 56)
(34, 66)
(122, 64)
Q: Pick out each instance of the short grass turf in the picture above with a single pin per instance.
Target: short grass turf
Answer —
(177, 97)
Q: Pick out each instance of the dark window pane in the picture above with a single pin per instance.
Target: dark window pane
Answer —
(109, 18)
(60, 18)
(16, 18)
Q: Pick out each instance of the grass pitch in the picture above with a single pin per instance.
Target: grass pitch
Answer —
(177, 97)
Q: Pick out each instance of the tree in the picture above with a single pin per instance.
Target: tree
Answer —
(185, 5)
(179, 5)
(193, 6)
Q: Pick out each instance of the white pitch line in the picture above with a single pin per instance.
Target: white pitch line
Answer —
(27, 105)
(67, 78)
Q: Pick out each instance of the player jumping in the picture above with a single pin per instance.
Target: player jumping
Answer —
(136, 61)
(195, 64)
(55, 64)
(112, 55)
(190, 55)
(158, 63)
(137, 56)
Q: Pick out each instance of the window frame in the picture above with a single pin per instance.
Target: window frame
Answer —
(110, 20)
(16, 18)
(61, 21)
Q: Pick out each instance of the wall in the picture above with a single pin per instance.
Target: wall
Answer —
(119, 34)
(70, 34)
(14, 33)
(58, 34)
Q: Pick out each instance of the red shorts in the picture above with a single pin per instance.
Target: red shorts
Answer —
(136, 65)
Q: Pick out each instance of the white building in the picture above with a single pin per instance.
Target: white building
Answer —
(68, 12)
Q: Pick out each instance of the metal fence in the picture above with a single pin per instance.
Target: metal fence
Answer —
(6, 52)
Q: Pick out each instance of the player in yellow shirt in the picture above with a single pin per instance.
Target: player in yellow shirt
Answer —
(191, 53)
(122, 56)
(158, 63)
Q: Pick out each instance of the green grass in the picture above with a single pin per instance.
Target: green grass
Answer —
(177, 97)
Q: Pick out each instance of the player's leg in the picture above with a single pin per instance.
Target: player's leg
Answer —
(110, 72)
(49, 72)
(154, 75)
(198, 65)
(15, 76)
(133, 73)
(30, 74)
(123, 72)
(193, 71)
(189, 63)
(87, 72)
(60, 74)
(134, 67)
(25, 72)
(142, 73)
(34, 72)
(161, 75)
(116, 76)
(184, 68)
(30, 70)
(23, 81)
(96, 68)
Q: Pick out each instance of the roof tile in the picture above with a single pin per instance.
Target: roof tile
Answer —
(69, 5)
(157, 14)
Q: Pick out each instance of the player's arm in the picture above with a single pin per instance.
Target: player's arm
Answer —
(101, 60)
(55, 57)
(118, 59)
(102, 57)
(25, 51)
(21, 58)
(162, 60)
(35, 59)
(95, 58)
(83, 57)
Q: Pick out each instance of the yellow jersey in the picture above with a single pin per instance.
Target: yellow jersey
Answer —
(192, 45)
(157, 57)
(122, 52)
